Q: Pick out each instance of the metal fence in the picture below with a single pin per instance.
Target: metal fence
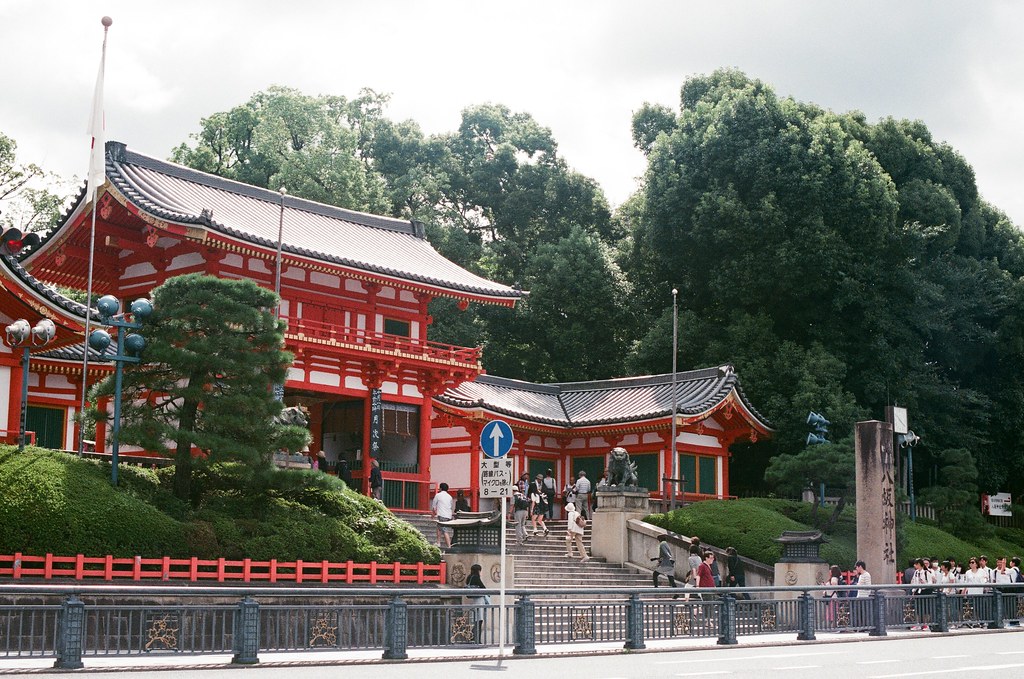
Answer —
(70, 623)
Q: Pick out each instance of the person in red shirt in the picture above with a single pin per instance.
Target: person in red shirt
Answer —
(705, 578)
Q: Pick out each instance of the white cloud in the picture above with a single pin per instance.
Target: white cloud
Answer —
(580, 68)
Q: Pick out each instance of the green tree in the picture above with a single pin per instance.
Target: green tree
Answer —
(839, 264)
(576, 324)
(31, 199)
(213, 351)
(281, 137)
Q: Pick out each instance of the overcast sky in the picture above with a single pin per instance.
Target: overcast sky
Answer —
(580, 68)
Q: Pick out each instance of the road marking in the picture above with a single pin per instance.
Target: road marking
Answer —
(979, 668)
(1009, 652)
(772, 656)
(878, 662)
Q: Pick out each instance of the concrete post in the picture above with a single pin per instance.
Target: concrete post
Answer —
(525, 627)
(727, 621)
(396, 630)
(247, 633)
(635, 623)
(878, 613)
(609, 535)
(70, 634)
(876, 500)
(941, 622)
(807, 617)
(997, 610)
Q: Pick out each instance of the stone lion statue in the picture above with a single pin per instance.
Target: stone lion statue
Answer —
(621, 470)
(297, 415)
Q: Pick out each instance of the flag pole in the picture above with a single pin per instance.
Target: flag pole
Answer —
(97, 175)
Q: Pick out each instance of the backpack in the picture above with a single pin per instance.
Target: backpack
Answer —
(521, 502)
(580, 521)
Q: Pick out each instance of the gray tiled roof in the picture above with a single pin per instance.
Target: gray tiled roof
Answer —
(382, 245)
(582, 404)
(16, 272)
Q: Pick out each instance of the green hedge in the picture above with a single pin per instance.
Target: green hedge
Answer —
(751, 526)
(54, 502)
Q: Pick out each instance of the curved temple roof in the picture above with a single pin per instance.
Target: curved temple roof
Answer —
(383, 245)
(31, 285)
(582, 404)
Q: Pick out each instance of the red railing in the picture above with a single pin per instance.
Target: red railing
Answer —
(299, 328)
(10, 437)
(194, 569)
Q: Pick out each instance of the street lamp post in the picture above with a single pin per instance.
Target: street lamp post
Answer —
(129, 346)
(19, 334)
(675, 401)
(908, 441)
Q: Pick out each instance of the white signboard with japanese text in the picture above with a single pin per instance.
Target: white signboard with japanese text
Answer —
(497, 477)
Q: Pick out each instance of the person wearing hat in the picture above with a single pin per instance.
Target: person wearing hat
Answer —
(574, 532)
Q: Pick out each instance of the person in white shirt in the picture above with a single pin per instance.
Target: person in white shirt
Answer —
(973, 576)
(443, 508)
(1001, 574)
(582, 488)
(863, 578)
(574, 532)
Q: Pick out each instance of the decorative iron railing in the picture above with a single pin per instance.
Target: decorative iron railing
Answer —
(72, 622)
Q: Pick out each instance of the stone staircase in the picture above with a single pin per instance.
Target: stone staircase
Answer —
(541, 563)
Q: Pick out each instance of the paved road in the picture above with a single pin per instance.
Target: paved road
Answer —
(984, 654)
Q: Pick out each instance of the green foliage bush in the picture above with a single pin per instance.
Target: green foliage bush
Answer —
(57, 503)
(751, 526)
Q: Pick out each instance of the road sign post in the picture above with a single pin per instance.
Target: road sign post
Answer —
(497, 478)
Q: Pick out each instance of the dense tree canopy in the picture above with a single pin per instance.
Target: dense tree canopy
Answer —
(840, 264)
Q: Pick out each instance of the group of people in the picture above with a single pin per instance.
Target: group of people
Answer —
(927, 574)
(703, 566)
(534, 501)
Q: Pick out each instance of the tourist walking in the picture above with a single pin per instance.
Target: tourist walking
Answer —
(575, 525)
(474, 581)
(736, 576)
(835, 578)
(344, 473)
(376, 480)
(666, 562)
(694, 560)
(443, 509)
(461, 502)
(582, 489)
(520, 510)
(549, 493)
(538, 507)
(704, 575)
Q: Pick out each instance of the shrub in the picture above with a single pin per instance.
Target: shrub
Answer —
(54, 502)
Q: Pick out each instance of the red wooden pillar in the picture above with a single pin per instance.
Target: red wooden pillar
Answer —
(14, 402)
(474, 429)
(101, 428)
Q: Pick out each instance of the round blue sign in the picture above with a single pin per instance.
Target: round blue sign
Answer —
(496, 439)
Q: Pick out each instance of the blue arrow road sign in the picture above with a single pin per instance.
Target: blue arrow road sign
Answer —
(496, 439)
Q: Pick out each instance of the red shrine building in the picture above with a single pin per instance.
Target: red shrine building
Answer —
(355, 290)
